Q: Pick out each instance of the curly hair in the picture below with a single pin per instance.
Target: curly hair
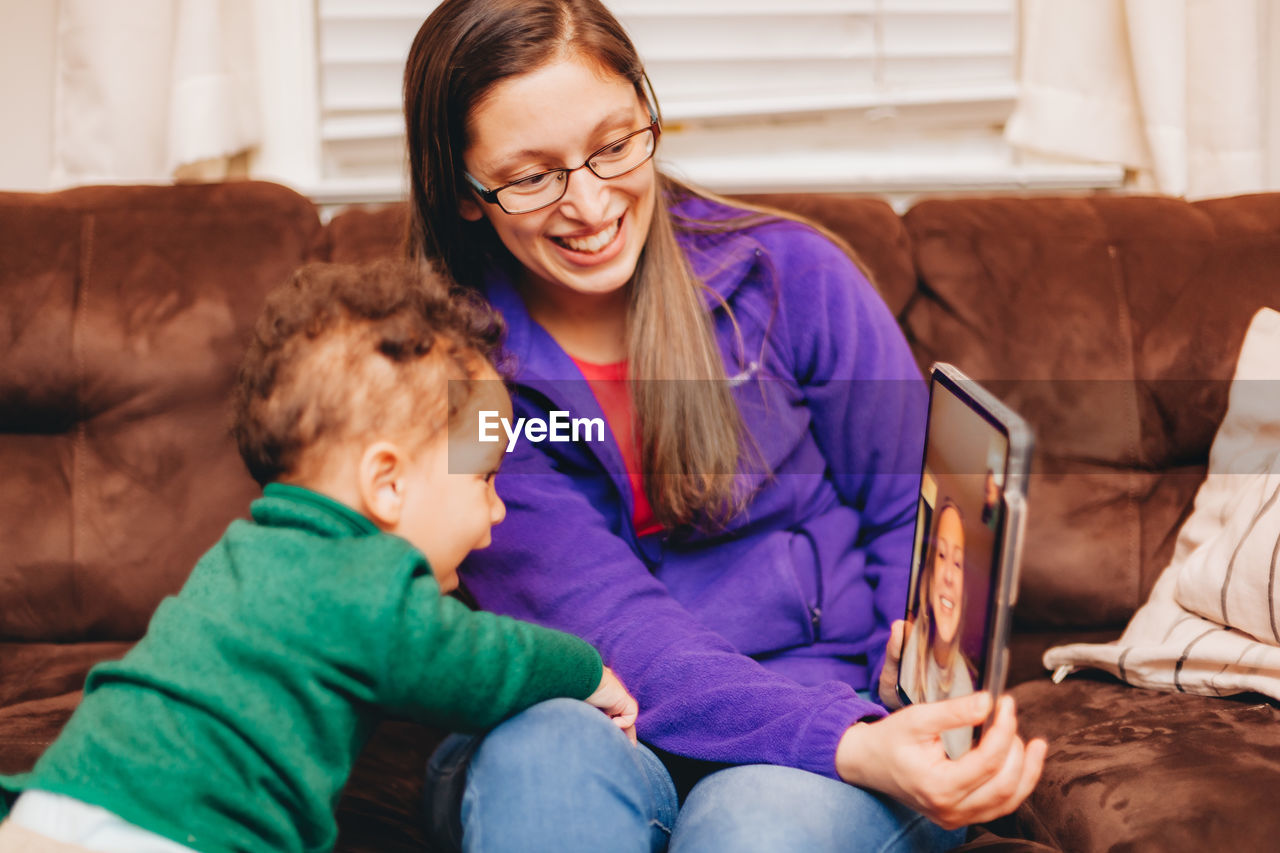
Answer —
(343, 350)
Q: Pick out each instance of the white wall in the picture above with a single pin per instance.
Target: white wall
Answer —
(27, 36)
(1270, 34)
(286, 54)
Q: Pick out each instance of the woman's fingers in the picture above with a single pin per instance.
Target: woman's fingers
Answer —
(897, 631)
(934, 718)
(987, 758)
(903, 756)
(1000, 772)
(999, 786)
(1006, 791)
(990, 780)
(1036, 751)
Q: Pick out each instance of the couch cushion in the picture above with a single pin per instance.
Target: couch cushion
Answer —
(1027, 648)
(31, 671)
(125, 314)
(1111, 324)
(1132, 769)
(365, 233)
(40, 685)
(871, 228)
(27, 729)
(381, 809)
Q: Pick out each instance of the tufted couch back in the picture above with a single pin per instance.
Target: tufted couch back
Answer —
(1113, 324)
(125, 311)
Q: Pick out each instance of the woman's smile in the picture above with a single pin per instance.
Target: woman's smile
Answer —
(590, 248)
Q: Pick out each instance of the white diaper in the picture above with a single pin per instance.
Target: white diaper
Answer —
(71, 821)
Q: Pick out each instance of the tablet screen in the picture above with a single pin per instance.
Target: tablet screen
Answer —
(958, 528)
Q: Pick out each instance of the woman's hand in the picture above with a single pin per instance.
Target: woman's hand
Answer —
(612, 698)
(902, 756)
(888, 687)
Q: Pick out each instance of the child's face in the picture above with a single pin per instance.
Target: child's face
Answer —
(450, 502)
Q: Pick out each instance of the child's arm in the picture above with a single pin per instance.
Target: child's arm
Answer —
(467, 670)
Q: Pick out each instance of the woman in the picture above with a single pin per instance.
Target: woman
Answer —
(736, 547)
(933, 664)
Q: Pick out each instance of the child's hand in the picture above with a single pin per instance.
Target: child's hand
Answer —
(612, 698)
(888, 687)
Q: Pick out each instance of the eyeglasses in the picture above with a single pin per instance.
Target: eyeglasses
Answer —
(546, 188)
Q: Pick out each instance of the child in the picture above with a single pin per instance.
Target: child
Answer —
(234, 723)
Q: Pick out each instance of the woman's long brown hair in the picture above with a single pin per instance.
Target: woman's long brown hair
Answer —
(693, 444)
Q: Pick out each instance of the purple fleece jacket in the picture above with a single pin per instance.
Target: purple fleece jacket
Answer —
(743, 646)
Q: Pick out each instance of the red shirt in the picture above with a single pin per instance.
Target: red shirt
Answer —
(609, 383)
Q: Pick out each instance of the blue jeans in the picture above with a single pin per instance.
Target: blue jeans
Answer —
(562, 777)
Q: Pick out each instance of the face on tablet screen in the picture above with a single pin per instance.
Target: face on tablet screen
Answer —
(957, 523)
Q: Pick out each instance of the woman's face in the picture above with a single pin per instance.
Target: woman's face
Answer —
(947, 588)
(555, 117)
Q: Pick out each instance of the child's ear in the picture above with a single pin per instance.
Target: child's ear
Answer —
(382, 476)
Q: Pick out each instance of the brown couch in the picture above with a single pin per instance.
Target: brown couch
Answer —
(1112, 323)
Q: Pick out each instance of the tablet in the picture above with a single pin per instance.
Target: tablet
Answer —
(964, 566)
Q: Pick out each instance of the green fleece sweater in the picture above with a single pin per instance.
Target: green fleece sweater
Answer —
(234, 723)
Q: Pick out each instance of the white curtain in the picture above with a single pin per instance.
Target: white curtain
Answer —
(1174, 90)
(149, 90)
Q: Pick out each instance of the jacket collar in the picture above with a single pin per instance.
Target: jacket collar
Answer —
(721, 261)
(283, 505)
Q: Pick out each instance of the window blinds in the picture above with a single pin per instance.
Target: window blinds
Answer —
(756, 94)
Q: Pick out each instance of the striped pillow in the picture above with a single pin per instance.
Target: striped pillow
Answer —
(1211, 625)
